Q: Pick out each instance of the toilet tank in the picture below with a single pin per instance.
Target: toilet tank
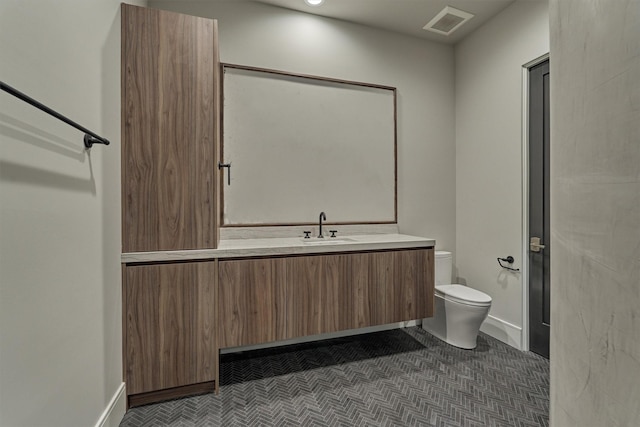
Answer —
(443, 267)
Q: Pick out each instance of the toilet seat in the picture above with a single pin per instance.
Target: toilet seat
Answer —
(463, 295)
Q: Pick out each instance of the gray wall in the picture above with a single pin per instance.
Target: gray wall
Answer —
(60, 280)
(423, 72)
(595, 213)
(489, 157)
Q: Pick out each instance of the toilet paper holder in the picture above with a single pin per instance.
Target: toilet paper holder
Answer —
(509, 259)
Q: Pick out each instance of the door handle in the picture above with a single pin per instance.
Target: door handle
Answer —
(228, 166)
(534, 244)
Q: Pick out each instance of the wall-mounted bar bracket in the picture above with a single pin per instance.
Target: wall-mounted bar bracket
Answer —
(228, 166)
(90, 140)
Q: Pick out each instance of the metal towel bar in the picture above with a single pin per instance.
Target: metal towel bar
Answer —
(90, 138)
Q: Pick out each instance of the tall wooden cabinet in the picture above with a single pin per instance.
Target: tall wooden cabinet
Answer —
(170, 130)
(170, 137)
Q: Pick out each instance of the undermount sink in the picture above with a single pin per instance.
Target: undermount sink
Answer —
(327, 241)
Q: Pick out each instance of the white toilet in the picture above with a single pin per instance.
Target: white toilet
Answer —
(459, 310)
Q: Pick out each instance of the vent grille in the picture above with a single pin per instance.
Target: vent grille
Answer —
(448, 20)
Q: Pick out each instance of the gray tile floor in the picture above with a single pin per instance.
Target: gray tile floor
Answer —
(402, 377)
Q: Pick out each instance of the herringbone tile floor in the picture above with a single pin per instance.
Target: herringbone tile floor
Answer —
(402, 377)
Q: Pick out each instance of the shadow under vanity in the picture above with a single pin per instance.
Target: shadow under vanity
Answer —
(193, 285)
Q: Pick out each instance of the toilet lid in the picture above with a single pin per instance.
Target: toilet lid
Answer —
(463, 294)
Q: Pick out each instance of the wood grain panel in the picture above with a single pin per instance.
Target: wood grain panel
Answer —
(280, 280)
(410, 298)
(169, 326)
(170, 394)
(392, 286)
(216, 327)
(382, 295)
(250, 304)
(336, 303)
(303, 296)
(264, 300)
(216, 220)
(361, 291)
(170, 129)
(428, 258)
(319, 296)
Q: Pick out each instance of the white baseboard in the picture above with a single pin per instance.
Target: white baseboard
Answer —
(504, 331)
(114, 412)
(324, 336)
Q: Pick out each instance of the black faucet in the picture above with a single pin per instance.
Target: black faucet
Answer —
(322, 217)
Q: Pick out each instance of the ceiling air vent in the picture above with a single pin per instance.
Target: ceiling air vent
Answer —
(448, 20)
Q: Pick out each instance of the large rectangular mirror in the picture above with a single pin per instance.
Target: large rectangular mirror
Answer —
(299, 145)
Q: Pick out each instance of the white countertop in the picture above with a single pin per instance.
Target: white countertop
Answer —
(238, 248)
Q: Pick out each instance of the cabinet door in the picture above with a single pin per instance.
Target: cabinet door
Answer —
(363, 295)
(169, 325)
(392, 286)
(382, 290)
(413, 288)
(170, 128)
(319, 296)
(251, 301)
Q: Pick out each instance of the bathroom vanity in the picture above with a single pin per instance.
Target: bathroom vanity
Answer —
(279, 298)
(187, 291)
(182, 307)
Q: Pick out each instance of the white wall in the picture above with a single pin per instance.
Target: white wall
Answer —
(60, 281)
(270, 37)
(595, 213)
(489, 157)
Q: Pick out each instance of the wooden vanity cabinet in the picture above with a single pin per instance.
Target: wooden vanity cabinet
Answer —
(270, 299)
(170, 130)
(169, 330)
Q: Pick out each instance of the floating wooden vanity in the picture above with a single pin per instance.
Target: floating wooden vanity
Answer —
(186, 293)
(182, 307)
(272, 299)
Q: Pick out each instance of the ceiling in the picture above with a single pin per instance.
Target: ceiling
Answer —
(402, 16)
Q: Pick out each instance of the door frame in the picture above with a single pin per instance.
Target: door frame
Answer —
(524, 345)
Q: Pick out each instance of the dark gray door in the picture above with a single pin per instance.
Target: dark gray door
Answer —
(539, 249)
